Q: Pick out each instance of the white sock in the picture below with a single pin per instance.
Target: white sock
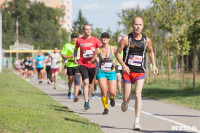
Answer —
(137, 119)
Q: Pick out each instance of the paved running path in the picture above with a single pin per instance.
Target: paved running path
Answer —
(156, 117)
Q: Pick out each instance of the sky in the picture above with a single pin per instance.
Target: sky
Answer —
(103, 13)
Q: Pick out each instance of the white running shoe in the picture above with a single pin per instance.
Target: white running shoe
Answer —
(124, 107)
(136, 126)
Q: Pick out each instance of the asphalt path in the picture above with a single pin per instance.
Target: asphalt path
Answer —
(156, 116)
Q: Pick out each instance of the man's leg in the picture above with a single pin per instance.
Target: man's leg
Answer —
(119, 85)
(86, 89)
(138, 98)
(77, 83)
(127, 96)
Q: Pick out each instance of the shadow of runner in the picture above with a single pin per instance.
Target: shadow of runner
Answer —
(79, 121)
(62, 108)
(115, 127)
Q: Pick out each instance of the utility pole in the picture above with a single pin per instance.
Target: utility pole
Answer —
(0, 41)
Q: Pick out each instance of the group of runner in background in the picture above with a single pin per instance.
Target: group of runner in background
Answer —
(89, 61)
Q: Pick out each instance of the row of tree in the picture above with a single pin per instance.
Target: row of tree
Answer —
(38, 24)
(174, 27)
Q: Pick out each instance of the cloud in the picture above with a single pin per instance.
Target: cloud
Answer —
(92, 6)
(133, 4)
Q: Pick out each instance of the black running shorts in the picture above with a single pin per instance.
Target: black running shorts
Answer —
(71, 71)
(87, 73)
(39, 69)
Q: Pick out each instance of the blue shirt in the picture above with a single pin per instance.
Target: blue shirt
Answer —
(40, 61)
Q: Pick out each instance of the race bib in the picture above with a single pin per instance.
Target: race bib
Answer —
(40, 62)
(107, 66)
(26, 63)
(119, 67)
(135, 60)
(87, 54)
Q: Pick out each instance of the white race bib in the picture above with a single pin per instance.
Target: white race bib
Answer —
(106, 66)
(119, 67)
(26, 63)
(135, 60)
(87, 54)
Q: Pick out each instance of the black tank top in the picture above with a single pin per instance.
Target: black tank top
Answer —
(106, 64)
(134, 54)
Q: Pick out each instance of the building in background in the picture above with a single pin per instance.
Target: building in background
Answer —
(65, 5)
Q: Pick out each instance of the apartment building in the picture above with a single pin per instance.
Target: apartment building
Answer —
(65, 5)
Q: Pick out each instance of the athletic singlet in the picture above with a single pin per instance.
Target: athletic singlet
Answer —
(134, 54)
(48, 59)
(55, 57)
(26, 62)
(106, 64)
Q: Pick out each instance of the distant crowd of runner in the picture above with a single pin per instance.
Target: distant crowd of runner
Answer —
(89, 61)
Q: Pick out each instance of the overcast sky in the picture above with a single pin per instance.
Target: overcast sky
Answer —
(103, 13)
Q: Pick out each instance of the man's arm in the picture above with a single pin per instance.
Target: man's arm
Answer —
(94, 58)
(123, 43)
(75, 55)
(151, 55)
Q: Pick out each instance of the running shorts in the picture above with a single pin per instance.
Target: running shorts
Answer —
(109, 75)
(87, 73)
(132, 77)
(53, 70)
(39, 69)
(71, 71)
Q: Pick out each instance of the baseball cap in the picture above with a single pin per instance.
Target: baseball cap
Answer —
(105, 34)
(74, 35)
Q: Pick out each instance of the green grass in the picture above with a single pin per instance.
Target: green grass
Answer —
(24, 108)
(175, 93)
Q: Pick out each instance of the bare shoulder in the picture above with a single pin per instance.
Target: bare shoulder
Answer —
(124, 41)
(148, 42)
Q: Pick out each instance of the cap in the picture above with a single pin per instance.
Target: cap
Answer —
(105, 34)
(74, 35)
(49, 52)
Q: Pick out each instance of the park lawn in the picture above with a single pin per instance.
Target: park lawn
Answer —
(186, 96)
(24, 108)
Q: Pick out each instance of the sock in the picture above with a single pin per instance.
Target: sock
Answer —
(111, 97)
(137, 119)
(105, 102)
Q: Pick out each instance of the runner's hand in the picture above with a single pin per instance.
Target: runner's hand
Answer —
(75, 61)
(126, 69)
(155, 70)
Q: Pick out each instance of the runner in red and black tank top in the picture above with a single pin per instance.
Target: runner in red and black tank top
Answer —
(135, 59)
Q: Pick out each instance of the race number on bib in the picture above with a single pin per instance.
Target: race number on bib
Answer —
(87, 54)
(135, 60)
(107, 66)
(26, 63)
(40, 62)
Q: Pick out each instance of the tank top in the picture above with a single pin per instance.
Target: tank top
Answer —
(106, 64)
(134, 54)
(55, 58)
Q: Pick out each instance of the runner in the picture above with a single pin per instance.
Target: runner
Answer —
(65, 70)
(106, 73)
(26, 63)
(39, 60)
(72, 68)
(30, 71)
(133, 64)
(55, 59)
(48, 67)
(88, 44)
(118, 69)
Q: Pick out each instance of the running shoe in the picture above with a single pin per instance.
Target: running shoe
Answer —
(136, 127)
(124, 107)
(70, 95)
(105, 112)
(76, 98)
(27, 79)
(54, 87)
(80, 92)
(120, 96)
(86, 106)
(112, 102)
(93, 96)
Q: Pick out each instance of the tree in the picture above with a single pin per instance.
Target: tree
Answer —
(79, 23)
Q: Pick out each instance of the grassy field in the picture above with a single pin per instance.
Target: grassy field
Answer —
(175, 93)
(24, 108)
